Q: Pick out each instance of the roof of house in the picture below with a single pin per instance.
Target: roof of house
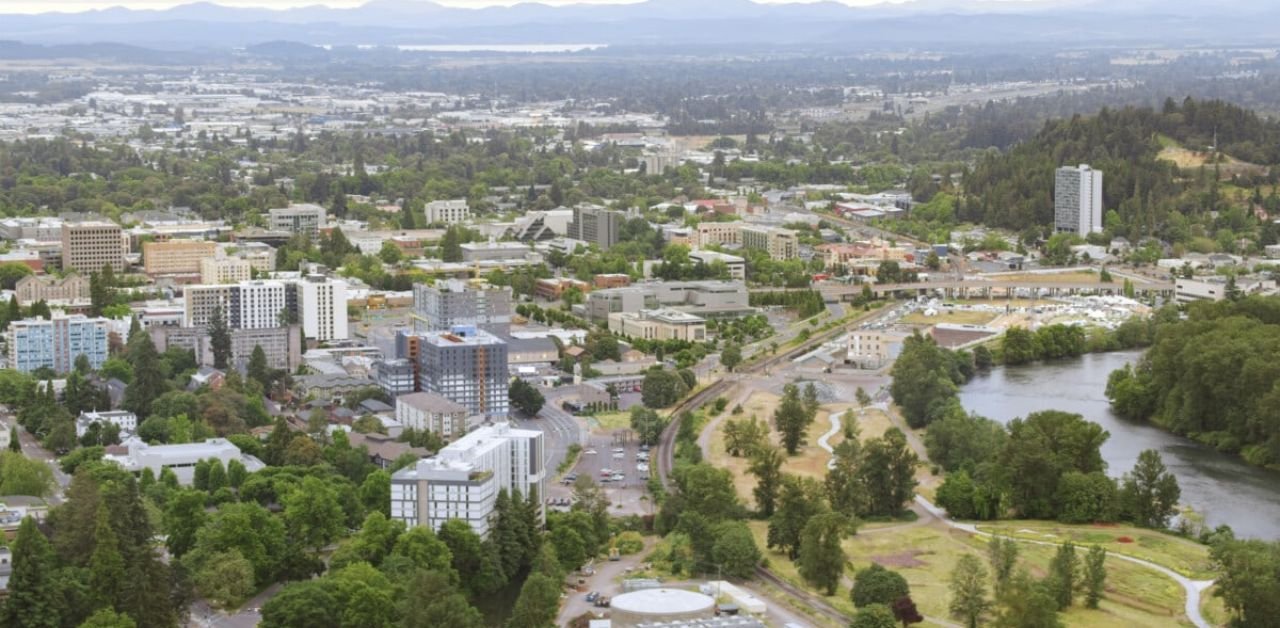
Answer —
(430, 402)
(375, 406)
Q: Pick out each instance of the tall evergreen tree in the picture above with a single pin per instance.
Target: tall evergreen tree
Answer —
(31, 602)
(219, 339)
(148, 381)
(106, 565)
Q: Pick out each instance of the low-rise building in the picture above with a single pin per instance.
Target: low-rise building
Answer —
(664, 324)
(737, 266)
(429, 412)
(175, 257)
(180, 459)
(462, 481)
(553, 289)
(303, 218)
(123, 419)
(447, 212)
(872, 349)
(70, 290)
(498, 251)
(779, 243)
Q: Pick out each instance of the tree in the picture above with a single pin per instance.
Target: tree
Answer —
(1063, 575)
(1002, 552)
(258, 370)
(887, 471)
(538, 603)
(904, 610)
(923, 380)
(451, 245)
(219, 339)
(302, 605)
(1248, 580)
(471, 557)
(106, 565)
(877, 585)
(148, 381)
(661, 388)
(647, 424)
(525, 397)
(1019, 346)
(1040, 449)
(31, 601)
(969, 600)
(874, 616)
(15, 445)
(1095, 576)
(184, 515)
(821, 560)
(312, 514)
(20, 475)
(735, 549)
(1150, 492)
(731, 356)
(1026, 603)
(432, 600)
(425, 551)
(107, 618)
(766, 466)
(862, 397)
(800, 499)
(225, 579)
(792, 418)
(845, 489)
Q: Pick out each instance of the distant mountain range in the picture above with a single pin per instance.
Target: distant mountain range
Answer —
(670, 24)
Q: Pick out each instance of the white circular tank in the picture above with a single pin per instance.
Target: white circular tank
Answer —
(651, 605)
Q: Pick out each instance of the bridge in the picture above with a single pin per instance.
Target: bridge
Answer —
(985, 289)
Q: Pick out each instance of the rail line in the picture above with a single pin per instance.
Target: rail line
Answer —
(818, 605)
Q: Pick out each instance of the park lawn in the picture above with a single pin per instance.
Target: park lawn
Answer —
(1186, 557)
(1213, 608)
(960, 317)
(609, 421)
(782, 567)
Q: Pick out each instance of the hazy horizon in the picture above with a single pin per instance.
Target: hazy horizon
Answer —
(76, 6)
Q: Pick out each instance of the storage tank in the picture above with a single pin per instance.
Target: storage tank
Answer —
(652, 605)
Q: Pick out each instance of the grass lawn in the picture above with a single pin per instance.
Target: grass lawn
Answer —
(1186, 557)
(962, 317)
(1211, 606)
(610, 421)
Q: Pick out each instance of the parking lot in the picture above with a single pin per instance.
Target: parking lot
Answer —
(619, 465)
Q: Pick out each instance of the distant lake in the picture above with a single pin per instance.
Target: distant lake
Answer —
(1223, 488)
(530, 48)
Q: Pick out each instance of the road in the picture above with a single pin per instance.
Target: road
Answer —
(560, 428)
(31, 448)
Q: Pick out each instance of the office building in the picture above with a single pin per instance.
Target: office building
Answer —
(323, 304)
(282, 345)
(304, 218)
(180, 459)
(70, 290)
(468, 366)
(708, 299)
(462, 481)
(455, 302)
(777, 242)
(447, 212)
(88, 247)
(737, 266)
(123, 419)
(659, 325)
(225, 270)
(429, 412)
(1077, 200)
(56, 343)
(175, 257)
(596, 225)
(38, 228)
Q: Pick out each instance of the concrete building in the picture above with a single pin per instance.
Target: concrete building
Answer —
(540, 226)
(596, 225)
(664, 324)
(319, 304)
(56, 343)
(282, 345)
(225, 270)
(88, 247)
(462, 481)
(395, 377)
(323, 304)
(175, 257)
(454, 302)
(467, 366)
(39, 228)
(123, 419)
(181, 459)
(872, 349)
(720, 233)
(298, 218)
(447, 212)
(498, 252)
(1077, 200)
(737, 266)
(429, 412)
(779, 243)
(712, 299)
(69, 290)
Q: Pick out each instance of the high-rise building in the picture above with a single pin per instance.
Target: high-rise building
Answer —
(596, 225)
(467, 366)
(1077, 200)
(175, 257)
(454, 302)
(323, 303)
(447, 212)
(317, 303)
(298, 218)
(89, 247)
(462, 481)
(56, 343)
(282, 345)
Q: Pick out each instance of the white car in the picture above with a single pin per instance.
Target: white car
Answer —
(619, 450)
(619, 456)
(589, 452)
(642, 467)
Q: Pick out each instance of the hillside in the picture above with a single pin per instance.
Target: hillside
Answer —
(1136, 150)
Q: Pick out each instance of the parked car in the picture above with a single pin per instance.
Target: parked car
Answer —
(602, 602)
(593, 596)
(590, 452)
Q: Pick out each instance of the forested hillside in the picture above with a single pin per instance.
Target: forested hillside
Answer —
(1015, 189)
(1214, 377)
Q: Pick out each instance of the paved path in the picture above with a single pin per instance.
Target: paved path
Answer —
(824, 441)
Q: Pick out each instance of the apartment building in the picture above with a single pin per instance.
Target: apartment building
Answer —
(175, 257)
(88, 247)
(323, 304)
(304, 218)
(447, 212)
(1077, 200)
(282, 345)
(462, 481)
(56, 343)
(454, 302)
(319, 304)
(664, 324)
(225, 270)
(596, 225)
(467, 366)
(395, 376)
(719, 233)
(72, 289)
(429, 412)
(779, 243)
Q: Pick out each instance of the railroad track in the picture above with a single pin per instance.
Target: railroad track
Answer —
(818, 605)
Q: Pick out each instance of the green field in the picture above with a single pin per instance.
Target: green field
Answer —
(1186, 557)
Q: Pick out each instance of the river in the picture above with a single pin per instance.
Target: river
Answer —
(1223, 488)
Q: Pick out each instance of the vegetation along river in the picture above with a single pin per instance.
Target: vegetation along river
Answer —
(1221, 487)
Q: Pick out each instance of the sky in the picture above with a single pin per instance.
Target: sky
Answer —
(40, 6)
